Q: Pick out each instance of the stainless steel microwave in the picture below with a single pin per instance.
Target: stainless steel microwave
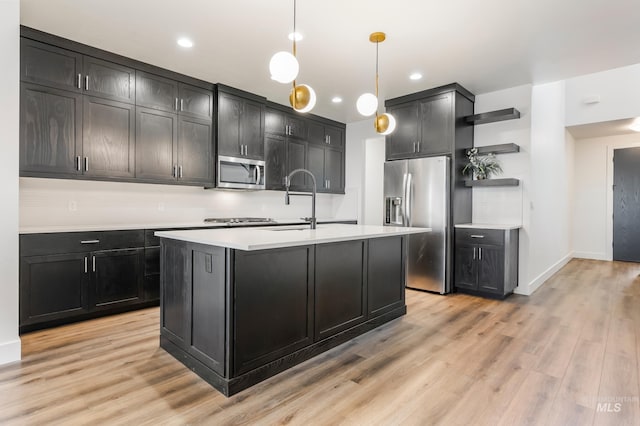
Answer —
(240, 173)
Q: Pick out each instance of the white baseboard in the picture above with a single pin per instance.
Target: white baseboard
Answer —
(590, 255)
(10, 351)
(542, 278)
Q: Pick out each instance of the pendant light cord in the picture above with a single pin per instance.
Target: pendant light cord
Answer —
(295, 102)
(377, 44)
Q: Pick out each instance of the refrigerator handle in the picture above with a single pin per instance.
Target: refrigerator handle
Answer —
(408, 202)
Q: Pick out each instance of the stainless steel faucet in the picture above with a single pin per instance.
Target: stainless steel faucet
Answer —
(287, 182)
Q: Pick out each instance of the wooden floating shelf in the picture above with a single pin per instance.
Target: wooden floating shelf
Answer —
(493, 182)
(505, 148)
(493, 116)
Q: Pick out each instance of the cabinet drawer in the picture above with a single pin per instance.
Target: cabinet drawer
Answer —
(78, 242)
(480, 236)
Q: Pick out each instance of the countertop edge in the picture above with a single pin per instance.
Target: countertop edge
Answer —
(498, 226)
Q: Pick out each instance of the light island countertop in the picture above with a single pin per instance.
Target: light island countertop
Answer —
(285, 236)
(499, 226)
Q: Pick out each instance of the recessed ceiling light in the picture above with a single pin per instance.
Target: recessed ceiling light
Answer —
(635, 126)
(185, 42)
(295, 35)
(415, 76)
(336, 99)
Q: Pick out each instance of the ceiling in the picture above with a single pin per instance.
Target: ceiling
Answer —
(484, 45)
(602, 129)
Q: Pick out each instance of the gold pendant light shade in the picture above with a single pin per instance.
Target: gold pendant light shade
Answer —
(385, 124)
(302, 98)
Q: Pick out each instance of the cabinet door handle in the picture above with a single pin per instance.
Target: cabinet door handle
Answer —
(329, 138)
(180, 172)
(86, 82)
(328, 183)
(414, 147)
(86, 164)
(479, 253)
(474, 253)
(181, 104)
(79, 81)
(176, 104)
(174, 173)
(93, 261)
(418, 146)
(477, 236)
(89, 241)
(86, 269)
(79, 163)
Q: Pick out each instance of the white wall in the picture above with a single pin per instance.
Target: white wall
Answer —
(507, 205)
(9, 160)
(593, 176)
(59, 202)
(550, 245)
(373, 181)
(619, 92)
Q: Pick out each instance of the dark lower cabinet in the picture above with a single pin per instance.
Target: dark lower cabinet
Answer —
(486, 261)
(117, 277)
(341, 287)
(53, 287)
(66, 277)
(239, 317)
(273, 305)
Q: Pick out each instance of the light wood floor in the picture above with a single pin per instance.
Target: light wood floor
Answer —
(453, 360)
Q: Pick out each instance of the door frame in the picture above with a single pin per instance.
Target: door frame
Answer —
(609, 234)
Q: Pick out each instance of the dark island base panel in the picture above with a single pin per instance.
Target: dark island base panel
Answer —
(486, 294)
(238, 384)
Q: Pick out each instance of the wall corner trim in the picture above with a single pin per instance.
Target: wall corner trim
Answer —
(10, 351)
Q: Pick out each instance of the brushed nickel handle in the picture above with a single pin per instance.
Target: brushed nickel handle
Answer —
(479, 253)
(476, 236)
(79, 81)
(176, 104)
(174, 173)
(86, 164)
(89, 241)
(474, 253)
(180, 171)
(181, 104)
(329, 138)
(418, 146)
(86, 82)
(93, 261)
(79, 163)
(86, 269)
(414, 147)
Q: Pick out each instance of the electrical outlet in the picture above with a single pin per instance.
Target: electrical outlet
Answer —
(73, 206)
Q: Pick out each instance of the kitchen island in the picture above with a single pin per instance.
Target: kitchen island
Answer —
(241, 305)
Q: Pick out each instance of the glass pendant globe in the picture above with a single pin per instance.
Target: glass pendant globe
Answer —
(284, 67)
(392, 124)
(367, 104)
(304, 94)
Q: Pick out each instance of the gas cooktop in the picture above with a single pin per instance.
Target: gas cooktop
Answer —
(239, 220)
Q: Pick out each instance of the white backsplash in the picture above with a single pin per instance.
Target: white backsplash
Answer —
(60, 202)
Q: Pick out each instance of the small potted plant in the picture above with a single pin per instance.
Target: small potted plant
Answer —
(481, 166)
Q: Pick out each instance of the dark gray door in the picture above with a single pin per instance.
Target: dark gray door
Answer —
(626, 205)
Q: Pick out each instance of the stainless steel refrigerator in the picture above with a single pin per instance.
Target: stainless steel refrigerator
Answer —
(417, 193)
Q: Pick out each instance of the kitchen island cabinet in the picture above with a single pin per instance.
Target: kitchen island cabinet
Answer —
(241, 305)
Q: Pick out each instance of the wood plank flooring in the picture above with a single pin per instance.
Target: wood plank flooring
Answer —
(564, 356)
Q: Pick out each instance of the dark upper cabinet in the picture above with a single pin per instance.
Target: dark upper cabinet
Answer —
(436, 125)
(403, 141)
(297, 159)
(156, 92)
(322, 134)
(117, 277)
(50, 130)
(53, 287)
(50, 66)
(327, 166)
(240, 127)
(109, 80)
(296, 126)
(195, 151)
(275, 169)
(156, 141)
(108, 138)
(195, 101)
(280, 123)
(274, 122)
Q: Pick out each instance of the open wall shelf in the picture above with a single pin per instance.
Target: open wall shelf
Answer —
(492, 182)
(505, 148)
(493, 116)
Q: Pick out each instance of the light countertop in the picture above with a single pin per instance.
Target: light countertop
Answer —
(152, 225)
(278, 237)
(499, 226)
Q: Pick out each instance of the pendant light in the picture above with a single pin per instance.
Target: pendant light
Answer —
(284, 68)
(367, 103)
